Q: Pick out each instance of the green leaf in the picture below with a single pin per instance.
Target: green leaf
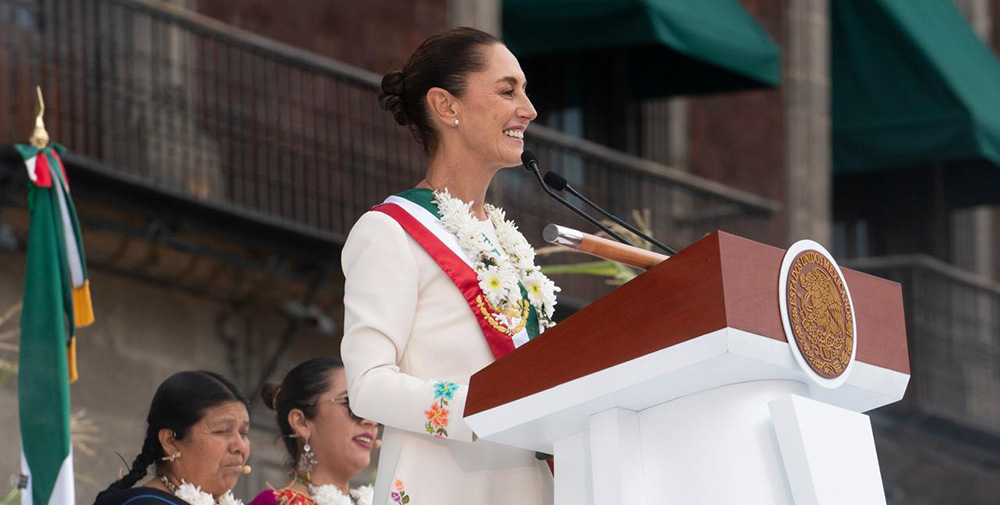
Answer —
(86, 479)
(12, 498)
(406, 499)
(597, 268)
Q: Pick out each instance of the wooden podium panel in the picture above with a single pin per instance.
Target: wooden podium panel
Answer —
(721, 281)
(677, 386)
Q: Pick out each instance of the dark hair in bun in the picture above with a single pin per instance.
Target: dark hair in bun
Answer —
(442, 61)
(299, 390)
(391, 98)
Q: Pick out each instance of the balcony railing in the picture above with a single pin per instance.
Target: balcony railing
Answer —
(953, 329)
(167, 98)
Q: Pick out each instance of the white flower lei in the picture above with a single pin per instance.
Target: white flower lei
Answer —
(328, 494)
(498, 277)
(195, 496)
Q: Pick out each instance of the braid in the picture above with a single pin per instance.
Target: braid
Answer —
(179, 403)
(139, 465)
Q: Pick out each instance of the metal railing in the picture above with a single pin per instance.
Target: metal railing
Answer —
(953, 329)
(171, 99)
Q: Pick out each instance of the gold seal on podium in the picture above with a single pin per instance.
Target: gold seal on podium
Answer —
(817, 313)
(820, 314)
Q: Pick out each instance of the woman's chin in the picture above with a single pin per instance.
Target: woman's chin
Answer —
(514, 159)
(227, 482)
(221, 489)
(360, 462)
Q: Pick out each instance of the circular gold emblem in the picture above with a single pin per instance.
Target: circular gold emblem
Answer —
(819, 313)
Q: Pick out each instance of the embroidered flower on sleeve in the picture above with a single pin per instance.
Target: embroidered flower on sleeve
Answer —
(445, 390)
(437, 416)
(399, 496)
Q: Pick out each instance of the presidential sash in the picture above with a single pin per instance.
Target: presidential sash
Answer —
(504, 330)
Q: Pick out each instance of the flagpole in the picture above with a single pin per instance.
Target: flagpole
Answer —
(40, 137)
(55, 277)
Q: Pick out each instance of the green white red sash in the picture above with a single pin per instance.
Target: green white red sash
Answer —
(428, 231)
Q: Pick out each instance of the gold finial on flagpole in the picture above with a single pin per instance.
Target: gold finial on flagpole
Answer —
(40, 137)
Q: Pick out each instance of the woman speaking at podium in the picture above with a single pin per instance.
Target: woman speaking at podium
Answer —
(439, 284)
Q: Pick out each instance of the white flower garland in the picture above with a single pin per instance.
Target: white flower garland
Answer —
(498, 277)
(195, 496)
(328, 494)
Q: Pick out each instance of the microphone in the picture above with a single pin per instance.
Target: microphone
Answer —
(247, 469)
(530, 162)
(559, 183)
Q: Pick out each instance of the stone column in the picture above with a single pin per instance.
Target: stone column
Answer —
(481, 14)
(972, 250)
(972, 239)
(806, 83)
(665, 131)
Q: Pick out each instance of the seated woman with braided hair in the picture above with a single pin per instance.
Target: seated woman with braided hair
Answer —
(196, 437)
(327, 444)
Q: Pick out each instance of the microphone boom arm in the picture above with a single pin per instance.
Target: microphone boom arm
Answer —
(534, 169)
(669, 250)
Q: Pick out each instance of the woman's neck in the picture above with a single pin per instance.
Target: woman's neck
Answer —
(462, 179)
(320, 478)
(157, 483)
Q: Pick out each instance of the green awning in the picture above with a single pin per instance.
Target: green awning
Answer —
(912, 85)
(669, 46)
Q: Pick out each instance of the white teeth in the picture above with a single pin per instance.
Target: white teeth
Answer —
(517, 134)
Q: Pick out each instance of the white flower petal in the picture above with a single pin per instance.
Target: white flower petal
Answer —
(499, 273)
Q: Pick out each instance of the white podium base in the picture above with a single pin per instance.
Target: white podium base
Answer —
(713, 447)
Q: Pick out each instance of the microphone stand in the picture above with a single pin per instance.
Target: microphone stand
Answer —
(671, 251)
(533, 168)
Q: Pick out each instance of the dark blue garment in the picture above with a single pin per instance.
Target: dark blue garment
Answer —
(140, 496)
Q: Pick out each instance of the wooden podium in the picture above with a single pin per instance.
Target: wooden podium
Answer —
(681, 387)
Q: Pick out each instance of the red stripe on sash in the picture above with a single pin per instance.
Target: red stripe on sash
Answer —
(455, 268)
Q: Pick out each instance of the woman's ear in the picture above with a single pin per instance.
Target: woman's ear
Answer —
(168, 440)
(443, 106)
(300, 425)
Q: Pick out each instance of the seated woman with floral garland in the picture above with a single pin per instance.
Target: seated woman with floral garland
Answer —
(327, 444)
(197, 439)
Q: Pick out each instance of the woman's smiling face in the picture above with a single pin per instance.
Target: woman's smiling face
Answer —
(342, 443)
(495, 110)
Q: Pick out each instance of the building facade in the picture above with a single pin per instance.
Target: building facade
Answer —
(223, 149)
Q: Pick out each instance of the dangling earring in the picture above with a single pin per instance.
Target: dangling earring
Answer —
(307, 462)
(455, 122)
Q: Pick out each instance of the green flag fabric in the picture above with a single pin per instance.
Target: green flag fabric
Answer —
(56, 301)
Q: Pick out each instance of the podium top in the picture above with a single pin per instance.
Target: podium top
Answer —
(721, 281)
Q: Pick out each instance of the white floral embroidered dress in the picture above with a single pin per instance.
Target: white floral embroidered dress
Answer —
(411, 343)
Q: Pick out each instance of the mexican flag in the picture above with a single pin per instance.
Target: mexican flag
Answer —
(56, 301)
